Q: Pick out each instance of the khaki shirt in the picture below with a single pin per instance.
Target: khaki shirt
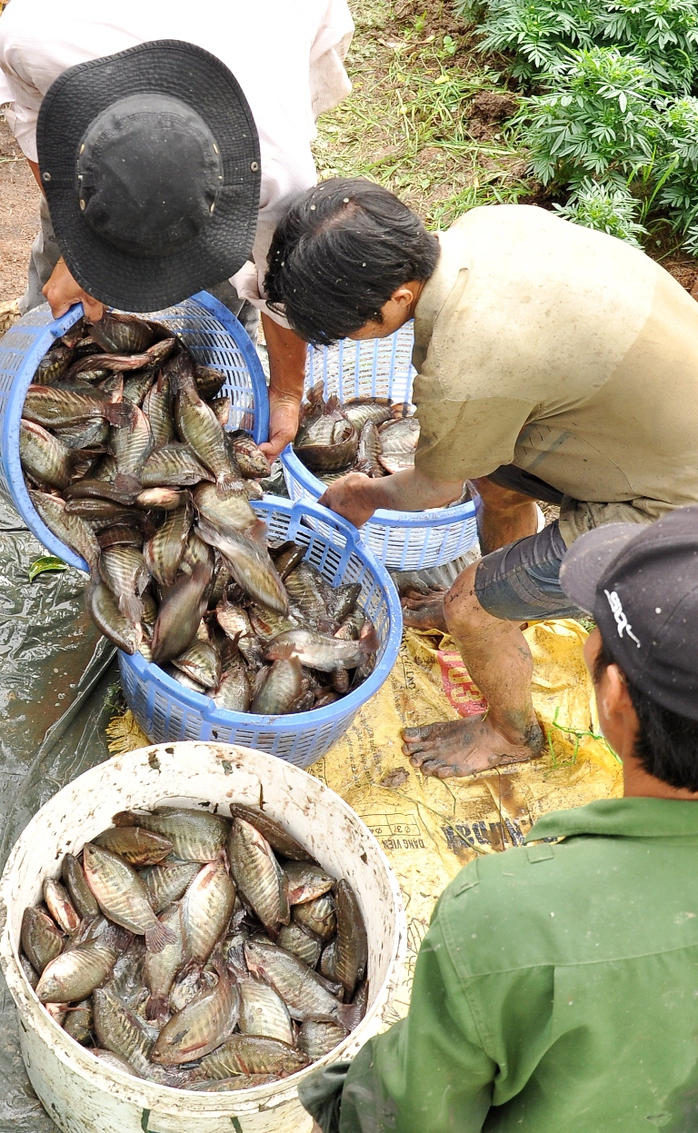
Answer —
(563, 351)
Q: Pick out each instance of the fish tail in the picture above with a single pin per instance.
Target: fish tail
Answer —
(156, 1008)
(350, 1014)
(131, 607)
(158, 936)
(257, 532)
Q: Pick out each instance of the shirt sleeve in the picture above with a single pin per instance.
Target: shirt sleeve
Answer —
(329, 82)
(429, 1073)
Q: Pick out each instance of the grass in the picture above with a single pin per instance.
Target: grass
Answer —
(408, 122)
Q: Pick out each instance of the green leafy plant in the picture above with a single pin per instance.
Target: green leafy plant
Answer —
(607, 208)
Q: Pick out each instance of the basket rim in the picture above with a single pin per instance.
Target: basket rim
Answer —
(315, 717)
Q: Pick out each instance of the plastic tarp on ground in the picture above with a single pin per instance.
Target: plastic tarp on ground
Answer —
(60, 715)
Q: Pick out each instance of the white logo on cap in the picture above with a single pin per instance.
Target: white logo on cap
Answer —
(620, 616)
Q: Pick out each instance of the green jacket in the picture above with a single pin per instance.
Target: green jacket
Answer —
(555, 992)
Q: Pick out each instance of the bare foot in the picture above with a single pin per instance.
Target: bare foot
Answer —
(424, 611)
(466, 747)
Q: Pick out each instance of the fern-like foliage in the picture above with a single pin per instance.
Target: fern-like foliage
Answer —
(607, 208)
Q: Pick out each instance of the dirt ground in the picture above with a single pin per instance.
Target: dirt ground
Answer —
(19, 215)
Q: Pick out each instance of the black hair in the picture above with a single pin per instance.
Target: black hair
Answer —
(667, 744)
(339, 254)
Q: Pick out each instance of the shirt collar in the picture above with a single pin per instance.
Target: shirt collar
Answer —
(624, 818)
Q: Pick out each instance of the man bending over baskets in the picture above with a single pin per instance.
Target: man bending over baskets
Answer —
(554, 363)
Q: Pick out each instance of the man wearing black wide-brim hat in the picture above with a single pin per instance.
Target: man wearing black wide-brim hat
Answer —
(168, 139)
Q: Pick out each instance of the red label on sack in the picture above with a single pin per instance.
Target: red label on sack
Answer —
(465, 696)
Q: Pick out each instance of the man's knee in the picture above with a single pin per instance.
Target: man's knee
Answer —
(501, 499)
(461, 604)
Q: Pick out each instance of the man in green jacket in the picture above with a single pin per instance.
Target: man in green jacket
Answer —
(557, 988)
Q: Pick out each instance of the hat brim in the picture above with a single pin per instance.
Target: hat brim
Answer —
(588, 558)
(204, 83)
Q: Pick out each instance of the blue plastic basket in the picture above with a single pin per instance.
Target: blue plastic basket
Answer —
(166, 710)
(215, 338)
(382, 367)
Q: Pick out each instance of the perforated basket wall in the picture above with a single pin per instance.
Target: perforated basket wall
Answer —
(167, 711)
(382, 367)
(212, 333)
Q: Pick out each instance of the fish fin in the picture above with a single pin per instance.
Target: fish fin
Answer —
(158, 936)
(156, 1008)
(127, 818)
(284, 651)
(369, 642)
(131, 607)
(350, 1014)
(119, 414)
(399, 409)
(257, 532)
(227, 484)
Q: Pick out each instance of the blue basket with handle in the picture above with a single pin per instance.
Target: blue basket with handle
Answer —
(166, 710)
(212, 333)
(382, 367)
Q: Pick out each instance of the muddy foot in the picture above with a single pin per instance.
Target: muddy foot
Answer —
(466, 747)
(424, 611)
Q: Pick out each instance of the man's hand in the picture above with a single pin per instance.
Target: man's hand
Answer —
(284, 410)
(352, 497)
(62, 291)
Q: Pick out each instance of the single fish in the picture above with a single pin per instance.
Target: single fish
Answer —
(364, 410)
(319, 652)
(306, 882)
(188, 985)
(196, 551)
(263, 1012)
(197, 425)
(103, 609)
(251, 1054)
(166, 499)
(122, 897)
(78, 1022)
(209, 381)
(41, 939)
(369, 451)
(257, 874)
(235, 623)
(305, 587)
(239, 1082)
(121, 334)
(318, 1039)
(248, 456)
(207, 906)
(71, 529)
(115, 1061)
(131, 440)
(201, 662)
(156, 406)
(30, 973)
(287, 557)
(352, 944)
(249, 565)
(328, 961)
(222, 407)
(124, 571)
(280, 690)
(398, 440)
(267, 625)
(296, 940)
(60, 906)
(121, 1030)
(160, 968)
(53, 365)
(233, 692)
(79, 970)
(53, 407)
(180, 613)
(299, 987)
(167, 882)
(317, 916)
(163, 553)
(137, 385)
(231, 512)
(44, 456)
(173, 466)
(276, 835)
(93, 433)
(135, 845)
(196, 835)
(201, 1026)
(90, 488)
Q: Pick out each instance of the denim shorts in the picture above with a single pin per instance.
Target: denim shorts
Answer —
(521, 582)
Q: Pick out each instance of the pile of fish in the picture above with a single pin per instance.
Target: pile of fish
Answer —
(127, 461)
(198, 952)
(367, 434)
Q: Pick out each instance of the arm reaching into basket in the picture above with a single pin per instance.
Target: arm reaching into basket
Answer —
(356, 496)
(287, 371)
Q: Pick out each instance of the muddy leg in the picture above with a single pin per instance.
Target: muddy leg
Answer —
(424, 611)
(500, 663)
(504, 515)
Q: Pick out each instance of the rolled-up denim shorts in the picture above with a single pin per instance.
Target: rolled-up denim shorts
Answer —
(521, 582)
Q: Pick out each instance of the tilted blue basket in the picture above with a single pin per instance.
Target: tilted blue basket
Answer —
(382, 367)
(212, 333)
(166, 710)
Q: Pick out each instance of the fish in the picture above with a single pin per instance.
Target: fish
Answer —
(196, 835)
(209, 381)
(201, 662)
(131, 439)
(60, 906)
(30, 973)
(105, 613)
(249, 458)
(369, 451)
(233, 692)
(93, 433)
(160, 968)
(197, 425)
(231, 512)
(257, 874)
(328, 961)
(295, 939)
(115, 1061)
(41, 939)
(239, 1082)
(75, 973)
(222, 407)
(118, 333)
(94, 489)
(173, 466)
(287, 557)
(69, 528)
(206, 909)
(318, 916)
(196, 551)
(263, 1012)
(78, 1022)
(398, 440)
(318, 1039)
(281, 688)
(53, 365)
(326, 439)
(251, 1054)
(306, 882)
(320, 652)
(52, 407)
(135, 845)
(201, 1026)
(167, 881)
(249, 564)
(367, 410)
(352, 944)
(163, 553)
(276, 835)
(120, 1030)
(122, 897)
(44, 456)
(180, 615)
(299, 987)
(305, 591)
(124, 571)
(137, 385)
(168, 499)
(156, 406)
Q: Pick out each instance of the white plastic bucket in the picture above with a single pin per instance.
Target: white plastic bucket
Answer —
(80, 1094)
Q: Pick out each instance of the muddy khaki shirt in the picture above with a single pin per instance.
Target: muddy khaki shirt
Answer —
(555, 992)
(565, 352)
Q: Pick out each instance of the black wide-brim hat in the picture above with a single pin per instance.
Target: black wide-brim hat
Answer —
(150, 164)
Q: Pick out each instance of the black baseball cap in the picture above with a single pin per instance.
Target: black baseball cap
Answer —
(150, 164)
(641, 587)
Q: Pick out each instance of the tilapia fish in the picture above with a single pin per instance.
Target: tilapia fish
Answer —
(240, 991)
(129, 461)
